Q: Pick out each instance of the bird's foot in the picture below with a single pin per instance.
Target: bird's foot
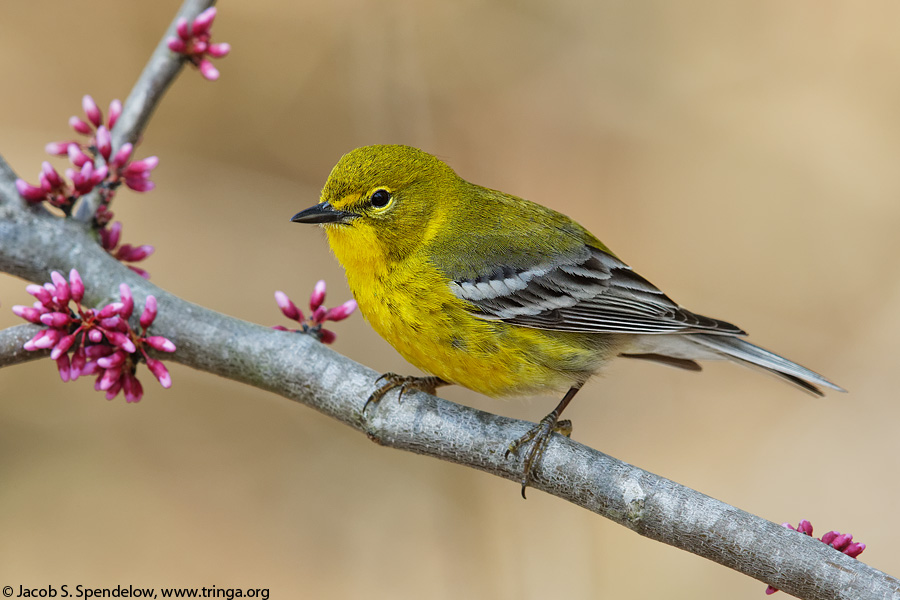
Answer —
(405, 383)
(539, 435)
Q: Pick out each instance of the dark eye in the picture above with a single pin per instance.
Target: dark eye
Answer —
(380, 198)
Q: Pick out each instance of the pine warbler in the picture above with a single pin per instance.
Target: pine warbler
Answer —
(501, 295)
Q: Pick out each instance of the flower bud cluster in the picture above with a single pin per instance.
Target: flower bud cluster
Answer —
(101, 341)
(94, 165)
(193, 42)
(843, 542)
(319, 314)
(109, 239)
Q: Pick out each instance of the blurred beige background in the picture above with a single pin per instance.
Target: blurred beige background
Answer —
(742, 156)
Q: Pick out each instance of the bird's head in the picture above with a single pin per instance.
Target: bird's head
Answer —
(382, 200)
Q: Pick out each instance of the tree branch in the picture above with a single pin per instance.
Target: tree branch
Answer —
(299, 368)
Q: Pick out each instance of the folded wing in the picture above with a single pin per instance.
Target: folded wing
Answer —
(588, 291)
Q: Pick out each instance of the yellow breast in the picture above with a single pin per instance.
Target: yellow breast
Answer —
(411, 306)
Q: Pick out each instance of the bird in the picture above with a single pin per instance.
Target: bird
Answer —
(506, 297)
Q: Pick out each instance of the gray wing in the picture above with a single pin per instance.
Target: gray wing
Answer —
(588, 291)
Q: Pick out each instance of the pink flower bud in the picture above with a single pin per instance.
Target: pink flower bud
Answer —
(29, 192)
(158, 342)
(32, 315)
(841, 541)
(47, 187)
(200, 47)
(326, 336)
(58, 148)
(57, 320)
(139, 185)
(45, 184)
(318, 295)
(204, 21)
(131, 254)
(122, 155)
(149, 314)
(45, 339)
(91, 110)
(99, 175)
(114, 390)
(81, 180)
(115, 359)
(115, 109)
(219, 50)
(127, 300)
(829, 537)
(74, 373)
(78, 362)
(208, 70)
(341, 312)
(87, 170)
(176, 45)
(109, 377)
(288, 308)
(854, 549)
(96, 351)
(39, 292)
(805, 527)
(109, 310)
(95, 335)
(104, 142)
(115, 323)
(77, 156)
(133, 389)
(62, 363)
(50, 174)
(140, 166)
(113, 233)
(160, 372)
(30, 344)
(139, 271)
(120, 340)
(62, 287)
(90, 368)
(62, 346)
(79, 126)
(318, 315)
(181, 27)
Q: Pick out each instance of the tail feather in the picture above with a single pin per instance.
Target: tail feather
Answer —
(750, 355)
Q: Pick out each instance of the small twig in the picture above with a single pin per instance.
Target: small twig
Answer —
(161, 70)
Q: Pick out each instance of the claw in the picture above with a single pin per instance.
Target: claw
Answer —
(404, 382)
(540, 434)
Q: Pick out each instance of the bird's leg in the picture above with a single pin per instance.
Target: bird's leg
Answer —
(540, 433)
(405, 383)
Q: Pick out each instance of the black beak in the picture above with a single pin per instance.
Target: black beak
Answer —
(323, 213)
